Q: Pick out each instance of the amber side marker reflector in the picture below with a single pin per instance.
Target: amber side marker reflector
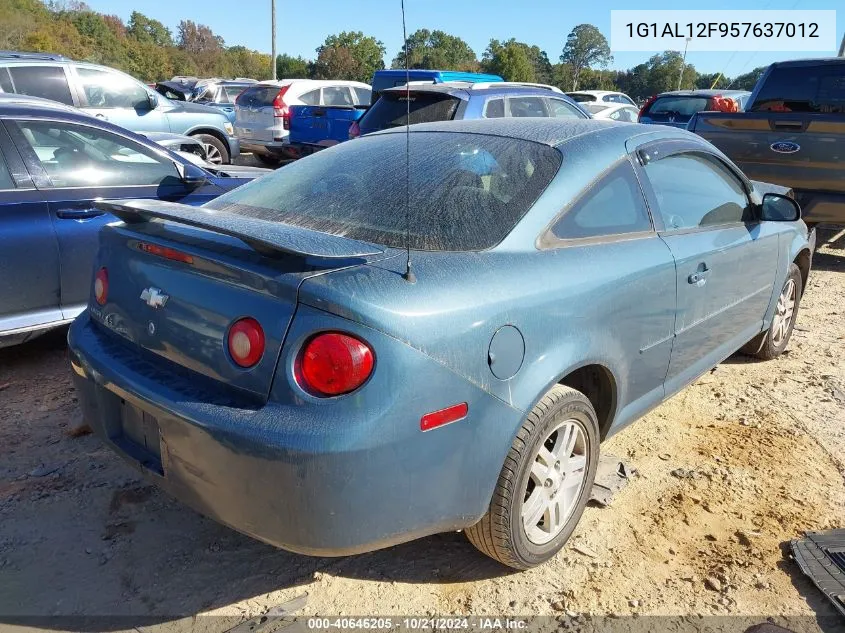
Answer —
(167, 253)
(444, 416)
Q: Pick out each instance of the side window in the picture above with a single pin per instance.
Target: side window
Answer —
(337, 96)
(613, 205)
(81, 156)
(362, 96)
(560, 109)
(6, 81)
(628, 114)
(106, 89)
(494, 109)
(311, 98)
(616, 115)
(48, 82)
(609, 98)
(695, 191)
(527, 106)
(6, 181)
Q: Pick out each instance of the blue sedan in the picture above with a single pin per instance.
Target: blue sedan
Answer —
(357, 351)
(54, 163)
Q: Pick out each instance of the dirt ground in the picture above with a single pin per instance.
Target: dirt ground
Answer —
(729, 471)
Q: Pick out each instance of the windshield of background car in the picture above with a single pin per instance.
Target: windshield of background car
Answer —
(467, 191)
(802, 89)
(682, 107)
(391, 109)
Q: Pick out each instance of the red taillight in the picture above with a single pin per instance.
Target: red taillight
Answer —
(444, 416)
(167, 253)
(332, 364)
(101, 286)
(354, 130)
(647, 104)
(280, 108)
(246, 342)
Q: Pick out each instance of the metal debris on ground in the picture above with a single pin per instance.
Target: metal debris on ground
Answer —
(821, 556)
(611, 476)
(274, 619)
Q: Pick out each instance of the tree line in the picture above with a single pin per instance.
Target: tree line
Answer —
(147, 49)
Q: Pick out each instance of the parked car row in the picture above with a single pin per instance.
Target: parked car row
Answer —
(116, 97)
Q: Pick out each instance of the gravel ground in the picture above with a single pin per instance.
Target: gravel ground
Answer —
(729, 470)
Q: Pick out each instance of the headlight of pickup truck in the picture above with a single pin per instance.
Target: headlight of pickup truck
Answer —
(230, 129)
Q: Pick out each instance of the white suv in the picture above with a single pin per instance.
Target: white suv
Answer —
(262, 117)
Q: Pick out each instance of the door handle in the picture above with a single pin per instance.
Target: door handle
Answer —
(699, 277)
(79, 214)
(102, 116)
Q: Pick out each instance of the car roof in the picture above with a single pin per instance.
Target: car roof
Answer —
(466, 89)
(13, 98)
(547, 131)
(597, 93)
(703, 93)
(314, 82)
(813, 61)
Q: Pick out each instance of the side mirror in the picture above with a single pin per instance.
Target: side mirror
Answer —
(779, 208)
(153, 100)
(191, 174)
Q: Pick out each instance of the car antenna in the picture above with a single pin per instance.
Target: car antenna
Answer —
(409, 274)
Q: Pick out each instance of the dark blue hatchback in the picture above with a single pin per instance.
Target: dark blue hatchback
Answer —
(459, 100)
(55, 162)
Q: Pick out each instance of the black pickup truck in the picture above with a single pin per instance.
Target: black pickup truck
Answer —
(792, 133)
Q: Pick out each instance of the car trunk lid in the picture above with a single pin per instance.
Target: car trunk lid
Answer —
(180, 277)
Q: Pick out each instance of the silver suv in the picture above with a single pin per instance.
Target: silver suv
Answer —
(118, 98)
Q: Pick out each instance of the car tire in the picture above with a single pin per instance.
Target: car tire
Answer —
(216, 151)
(771, 343)
(521, 543)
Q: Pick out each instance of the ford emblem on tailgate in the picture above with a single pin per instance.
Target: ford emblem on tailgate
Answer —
(785, 147)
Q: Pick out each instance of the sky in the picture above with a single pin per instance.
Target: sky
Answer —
(302, 26)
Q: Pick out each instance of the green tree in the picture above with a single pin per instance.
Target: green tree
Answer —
(146, 29)
(289, 67)
(349, 55)
(585, 47)
(436, 49)
(243, 62)
(712, 80)
(203, 46)
(510, 60)
(748, 80)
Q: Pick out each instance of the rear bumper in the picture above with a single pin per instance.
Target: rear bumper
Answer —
(296, 475)
(275, 149)
(821, 207)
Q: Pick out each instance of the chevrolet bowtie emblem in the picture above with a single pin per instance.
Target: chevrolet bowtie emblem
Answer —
(154, 297)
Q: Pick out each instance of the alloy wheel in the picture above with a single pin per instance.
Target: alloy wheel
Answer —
(783, 313)
(212, 154)
(554, 486)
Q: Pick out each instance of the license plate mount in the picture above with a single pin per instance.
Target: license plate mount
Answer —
(139, 437)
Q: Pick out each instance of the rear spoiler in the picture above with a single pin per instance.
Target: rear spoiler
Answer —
(268, 238)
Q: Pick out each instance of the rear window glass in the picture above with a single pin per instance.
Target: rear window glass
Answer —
(580, 97)
(258, 96)
(803, 89)
(391, 110)
(680, 107)
(47, 82)
(467, 191)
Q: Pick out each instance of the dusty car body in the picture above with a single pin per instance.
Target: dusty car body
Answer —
(555, 297)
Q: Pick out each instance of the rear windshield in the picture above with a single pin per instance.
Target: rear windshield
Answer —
(258, 96)
(682, 108)
(391, 109)
(467, 191)
(803, 89)
(580, 97)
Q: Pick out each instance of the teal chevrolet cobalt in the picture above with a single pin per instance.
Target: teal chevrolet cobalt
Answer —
(429, 329)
